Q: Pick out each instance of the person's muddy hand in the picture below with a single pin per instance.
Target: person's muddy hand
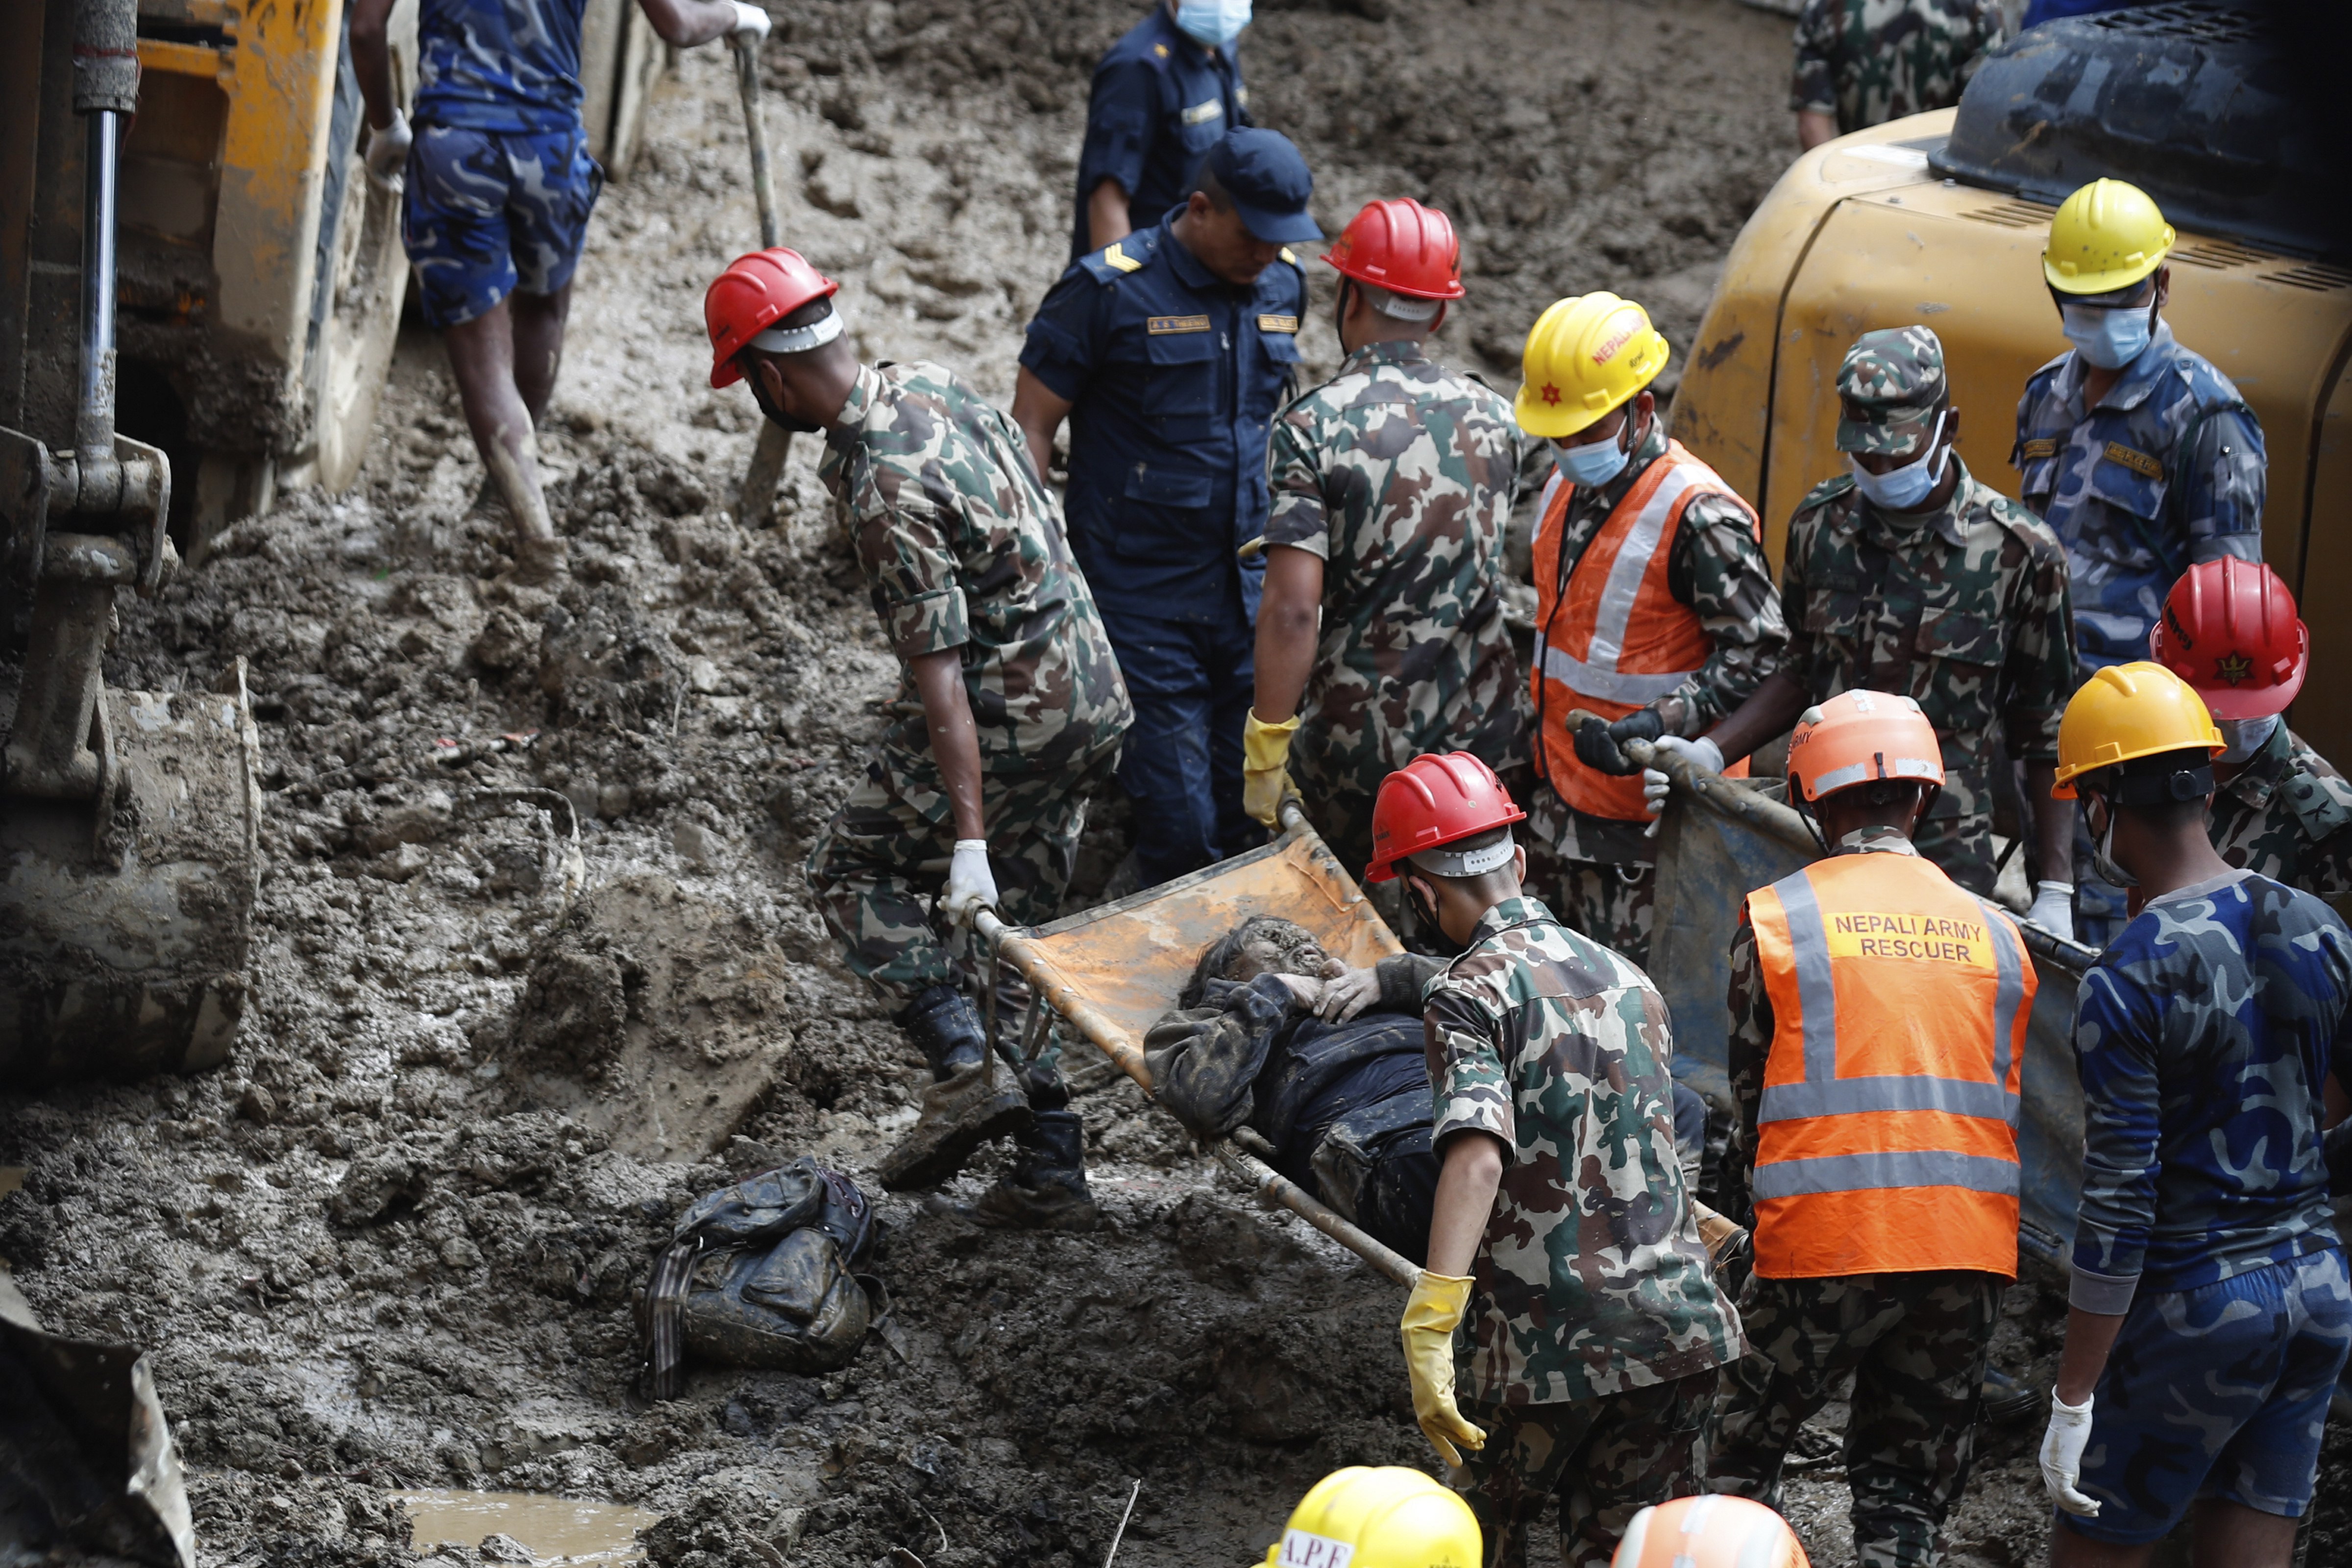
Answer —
(1347, 993)
(1305, 987)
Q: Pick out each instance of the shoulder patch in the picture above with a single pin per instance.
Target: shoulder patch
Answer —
(2321, 804)
(1828, 491)
(1160, 50)
(1290, 255)
(1114, 256)
(2138, 462)
(1114, 261)
(2038, 446)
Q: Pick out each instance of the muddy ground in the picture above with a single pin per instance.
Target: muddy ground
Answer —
(394, 1242)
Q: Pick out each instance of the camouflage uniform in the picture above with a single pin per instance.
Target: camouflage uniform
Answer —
(2167, 471)
(1914, 1344)
(1401, 475)
(2287, 815)
(1870, 62)
(1603, 873)
(962, 548)
(1595, 1320)
(2202, 1036)
(1963, 608)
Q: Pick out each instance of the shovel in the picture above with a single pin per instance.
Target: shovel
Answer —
(756, 507)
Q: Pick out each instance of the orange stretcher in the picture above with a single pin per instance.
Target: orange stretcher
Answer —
(1111, 970)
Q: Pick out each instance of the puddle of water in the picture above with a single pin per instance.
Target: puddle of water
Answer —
(556, 1530)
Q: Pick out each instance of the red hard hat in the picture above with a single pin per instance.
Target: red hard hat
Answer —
(754, 293)
(2230, 630)
(1402, 247)
(1432, 801)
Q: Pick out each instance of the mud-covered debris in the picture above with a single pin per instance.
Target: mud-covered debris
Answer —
(500, 1547)
(507, 642)
(576, 1002)
(374, 1185)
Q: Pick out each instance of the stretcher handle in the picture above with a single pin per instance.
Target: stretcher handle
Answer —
(1777, 820)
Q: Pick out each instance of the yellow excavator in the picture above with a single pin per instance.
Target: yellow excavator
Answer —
(200, 290)
(1940, 219)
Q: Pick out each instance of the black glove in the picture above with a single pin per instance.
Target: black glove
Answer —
(1600, 745)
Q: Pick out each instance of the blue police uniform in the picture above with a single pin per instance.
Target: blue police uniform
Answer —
(1160, 101)
(1175, 377)
(2167, 471)
(499, 184)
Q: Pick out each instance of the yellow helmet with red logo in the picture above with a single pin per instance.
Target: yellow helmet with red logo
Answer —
(1585, 356)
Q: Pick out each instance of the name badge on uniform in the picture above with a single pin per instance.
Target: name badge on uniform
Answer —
(2139, 463)
(2040, 447)
(1277, 324)
(1161, 326)
(1201, 113)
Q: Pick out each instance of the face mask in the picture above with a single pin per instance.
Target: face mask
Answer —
(2243, 738)
(2102, 860)
(775, 412)
(1596, 462)
(1213, 22)
(2109, 337)
(1903, 488)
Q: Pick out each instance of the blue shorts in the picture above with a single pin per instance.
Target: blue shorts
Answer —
(489, 212)
(2220, 1391)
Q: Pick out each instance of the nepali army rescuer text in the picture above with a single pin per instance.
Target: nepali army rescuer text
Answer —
(1010, 708)
(1561, 1236)
(2209, 1311)
(1879, 1014)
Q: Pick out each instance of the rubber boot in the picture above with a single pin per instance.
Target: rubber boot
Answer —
(969, 1101)
(1047, 1187)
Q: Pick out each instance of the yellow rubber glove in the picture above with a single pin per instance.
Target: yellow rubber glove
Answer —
(1431, 1315)
(1265, 757)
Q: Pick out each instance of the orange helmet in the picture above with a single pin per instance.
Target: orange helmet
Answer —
(1710, 1531)
(1433, 801)
(754, 293)
(1859, 736)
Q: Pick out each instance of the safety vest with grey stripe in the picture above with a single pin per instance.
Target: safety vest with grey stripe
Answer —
(1596, 674)
(1824, 1093)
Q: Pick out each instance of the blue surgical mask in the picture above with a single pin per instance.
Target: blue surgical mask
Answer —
(2241, 738)
(1214, 23)
(1595, 462)
(1906, 488)
(2110, 337)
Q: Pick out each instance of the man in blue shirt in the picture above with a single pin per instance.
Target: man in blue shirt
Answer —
(497, 189)
(2211, 1310)
(1169, 354)
(2136, 451)
(1163, 96)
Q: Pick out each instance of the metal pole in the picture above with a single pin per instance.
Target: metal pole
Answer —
(94, 416)
(755, 506)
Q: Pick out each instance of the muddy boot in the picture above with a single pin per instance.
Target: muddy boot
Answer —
(968, 1102)
(1047, 1187)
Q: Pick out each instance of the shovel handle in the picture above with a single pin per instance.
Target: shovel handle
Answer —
(763, 177)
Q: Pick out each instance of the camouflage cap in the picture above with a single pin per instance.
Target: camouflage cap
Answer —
(1890, 389)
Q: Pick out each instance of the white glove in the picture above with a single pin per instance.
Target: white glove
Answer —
(971, 886)
(751, 22)
(2053, 908)
(387, 150)
(2061, 1454)
(1657, 786)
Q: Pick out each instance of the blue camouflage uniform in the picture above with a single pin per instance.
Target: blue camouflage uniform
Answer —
(1160, 101)
(2167, 471)
(2202, 1035)
(498, 183)
(1175, 377)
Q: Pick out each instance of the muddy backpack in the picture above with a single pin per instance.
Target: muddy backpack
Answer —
(759, 1274)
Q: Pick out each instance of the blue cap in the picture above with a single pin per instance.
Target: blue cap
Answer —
(1268, 181)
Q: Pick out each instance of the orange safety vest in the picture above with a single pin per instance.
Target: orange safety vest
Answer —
(1616, 639)
(1887, 1137)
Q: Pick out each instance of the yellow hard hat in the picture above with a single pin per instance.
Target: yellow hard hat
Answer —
(1388, 1517)
(1710, 1530)
(2106, 236)
(1585, 356)
(2127, 711)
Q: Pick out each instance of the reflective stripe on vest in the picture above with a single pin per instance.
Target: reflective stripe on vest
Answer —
(1585, 629)
(1887, 1130)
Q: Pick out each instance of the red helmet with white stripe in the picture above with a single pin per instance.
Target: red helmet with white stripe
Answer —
(754, 293)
